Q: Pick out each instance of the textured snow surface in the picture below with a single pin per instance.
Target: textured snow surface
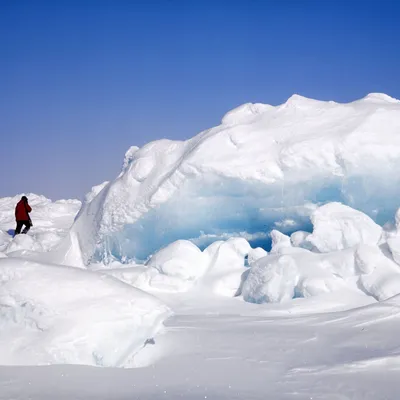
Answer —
(264, 167)
(219, 348)
(53, 315)
(338, 227)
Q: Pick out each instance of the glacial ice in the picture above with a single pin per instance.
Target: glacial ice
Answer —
(263, 168)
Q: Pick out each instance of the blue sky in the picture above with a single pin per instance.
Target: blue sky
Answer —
(82, 81)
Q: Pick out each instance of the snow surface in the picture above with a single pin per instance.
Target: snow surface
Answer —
(264, 167)
(260, 259)
(53, 315)
(338, 227)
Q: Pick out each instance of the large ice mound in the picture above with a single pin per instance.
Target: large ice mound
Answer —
(264, 167)
(53, 315)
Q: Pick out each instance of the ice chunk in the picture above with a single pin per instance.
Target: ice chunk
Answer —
(394, 246)
(299, 273)
(300, 239)
(380, 276)
(264, 167)
(95, 191)
(279, 242)
(271, 279)
(337, 226)
(392, 236)
(52, 315)
(181, 259)
(256, 254)
(226, 267)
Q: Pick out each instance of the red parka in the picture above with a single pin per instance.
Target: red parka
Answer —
(21, 211)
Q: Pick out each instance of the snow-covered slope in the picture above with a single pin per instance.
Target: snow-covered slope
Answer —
(264, 167)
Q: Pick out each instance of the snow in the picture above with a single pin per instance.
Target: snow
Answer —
(263, 168)
(23, 242)
(218, 349)
(226, 268)
(52, 314)
(338, 227)
(260, 258)
(181, 259)
(51, 222)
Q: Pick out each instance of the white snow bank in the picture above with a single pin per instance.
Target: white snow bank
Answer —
(263, 165)
(182, 266)
(337, 227)
(302, 273)
(51, 315)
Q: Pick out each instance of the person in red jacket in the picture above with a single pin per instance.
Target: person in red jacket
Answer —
(22, 217)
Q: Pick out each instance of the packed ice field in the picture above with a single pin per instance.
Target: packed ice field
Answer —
(259, 259)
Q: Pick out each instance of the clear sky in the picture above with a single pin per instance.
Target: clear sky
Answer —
(82, 81)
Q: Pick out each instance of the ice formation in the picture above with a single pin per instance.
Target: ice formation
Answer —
(263, 168)
(274, 205)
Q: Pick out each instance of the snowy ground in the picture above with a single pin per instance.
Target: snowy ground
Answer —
(216, 348)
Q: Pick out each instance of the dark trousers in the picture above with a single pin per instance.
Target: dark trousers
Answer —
(20, 224)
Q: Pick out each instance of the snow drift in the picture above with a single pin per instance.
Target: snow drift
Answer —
(264, 167)
(54, 315)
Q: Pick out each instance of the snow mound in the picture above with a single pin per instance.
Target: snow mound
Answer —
(181, 259)
(338, 227)
(55, 315)
(298, 272)
(280, 242)
(380, 276)
(255, 254)
(380, 97)
(226, 266)
(182, 266)
(263, 168)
